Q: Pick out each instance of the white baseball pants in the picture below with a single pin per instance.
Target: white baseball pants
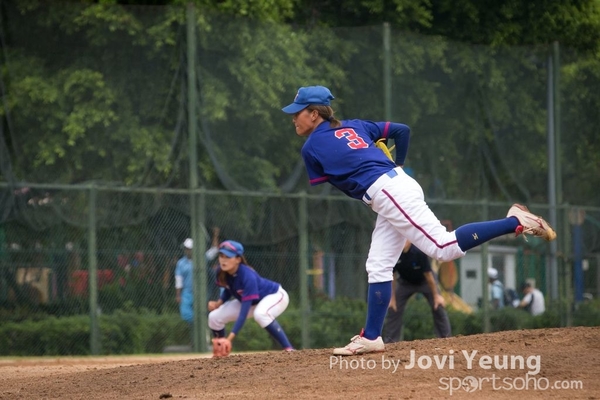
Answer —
(264, 312)
(403, 215)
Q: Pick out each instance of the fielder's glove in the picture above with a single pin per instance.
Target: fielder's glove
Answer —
(381, 144)
(221, 347)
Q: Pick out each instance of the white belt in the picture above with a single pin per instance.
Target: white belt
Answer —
(378, 184)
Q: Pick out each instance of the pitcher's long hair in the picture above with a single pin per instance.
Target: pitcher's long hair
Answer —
(326, 113)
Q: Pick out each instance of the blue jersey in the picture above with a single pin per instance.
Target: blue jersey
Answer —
(247, 285)
(347, 157)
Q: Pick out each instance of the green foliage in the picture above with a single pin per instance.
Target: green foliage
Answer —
(587, 313)
(574, 23)
(268, 10)
(583, 146)
(464, 324)
(332, 323)
(549, 319)
(78, 109)
(409, 14)
(131, 332)
(418, 321)
(115, 110)
(50, 336)
(509, 318)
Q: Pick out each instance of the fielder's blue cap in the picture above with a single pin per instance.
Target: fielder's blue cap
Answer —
(306, 96)
(231, 248)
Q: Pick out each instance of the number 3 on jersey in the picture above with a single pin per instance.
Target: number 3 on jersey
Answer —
(354, 141)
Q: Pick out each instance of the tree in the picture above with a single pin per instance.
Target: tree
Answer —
(114, 110)
(105, 97)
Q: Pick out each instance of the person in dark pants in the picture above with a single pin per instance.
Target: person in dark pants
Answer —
(414, 276)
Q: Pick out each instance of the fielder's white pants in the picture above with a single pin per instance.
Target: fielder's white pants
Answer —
(264, 312)
(403, 215)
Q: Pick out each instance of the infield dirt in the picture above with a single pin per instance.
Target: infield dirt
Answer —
(562, 363)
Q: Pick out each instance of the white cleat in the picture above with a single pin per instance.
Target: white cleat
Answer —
(531, 224)
(360, 345)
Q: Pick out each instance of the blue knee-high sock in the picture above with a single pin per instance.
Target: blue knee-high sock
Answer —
(472, 235)
(378, 301)
(277, 332)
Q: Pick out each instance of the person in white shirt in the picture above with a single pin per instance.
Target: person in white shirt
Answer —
(533, 300)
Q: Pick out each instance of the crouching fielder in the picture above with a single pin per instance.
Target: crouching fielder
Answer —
(246, 294)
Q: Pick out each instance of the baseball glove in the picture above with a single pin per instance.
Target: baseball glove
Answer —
(221, 347)
(381, 143)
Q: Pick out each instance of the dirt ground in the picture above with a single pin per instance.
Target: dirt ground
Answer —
(540, 364)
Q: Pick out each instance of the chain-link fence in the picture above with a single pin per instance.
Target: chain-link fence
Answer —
(126, 130)
(315, 246)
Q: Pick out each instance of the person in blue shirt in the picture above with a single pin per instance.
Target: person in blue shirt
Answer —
(345, 154)
(246, 295)
(184, 293)
(497, 289)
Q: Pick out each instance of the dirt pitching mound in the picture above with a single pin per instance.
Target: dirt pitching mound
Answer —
(562, 363)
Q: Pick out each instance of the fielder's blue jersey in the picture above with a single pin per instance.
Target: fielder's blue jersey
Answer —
(347, 157)
(247, 285)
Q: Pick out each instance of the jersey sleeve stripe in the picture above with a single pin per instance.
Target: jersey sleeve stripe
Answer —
(251, 297)
(319, 180)
(386, 129)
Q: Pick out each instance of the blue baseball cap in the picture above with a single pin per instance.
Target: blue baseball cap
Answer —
(231, 248)
(306, 96)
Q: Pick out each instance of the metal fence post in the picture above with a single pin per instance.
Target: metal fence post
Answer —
(200, 281)
(196, 209)
(303, 268)
(387, 72)
(554, 173)
(485, 298)
(93, 273)
(566, 260)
